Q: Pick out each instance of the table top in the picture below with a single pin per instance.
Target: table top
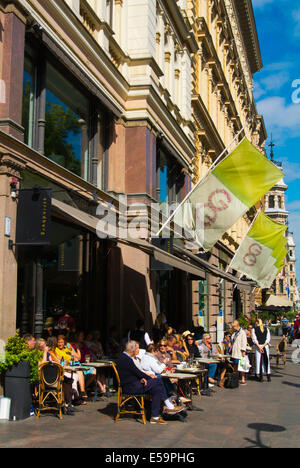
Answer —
(222, 356)
(179, 375)
(191, 370)
(74, 368)
(207, 360)
(97, 364)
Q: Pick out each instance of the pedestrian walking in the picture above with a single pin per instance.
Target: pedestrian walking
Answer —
(261, 339)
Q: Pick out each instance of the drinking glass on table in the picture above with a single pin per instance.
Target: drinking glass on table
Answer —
(88, 359)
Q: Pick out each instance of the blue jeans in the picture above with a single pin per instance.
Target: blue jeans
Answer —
(212, 369)
(170, 388)
(155, 387)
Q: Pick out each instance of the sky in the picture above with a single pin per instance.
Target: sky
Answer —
(277, 94)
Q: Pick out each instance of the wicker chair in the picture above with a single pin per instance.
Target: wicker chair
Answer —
(50, 388)
(123, 399)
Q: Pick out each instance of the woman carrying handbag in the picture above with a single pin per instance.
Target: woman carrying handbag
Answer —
(239, 347)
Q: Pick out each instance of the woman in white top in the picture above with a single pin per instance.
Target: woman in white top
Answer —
(150, 363)
(239, 346)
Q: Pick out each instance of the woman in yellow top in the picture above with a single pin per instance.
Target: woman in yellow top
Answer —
(64, 351)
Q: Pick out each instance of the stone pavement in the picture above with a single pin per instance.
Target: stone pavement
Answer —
(256, 415)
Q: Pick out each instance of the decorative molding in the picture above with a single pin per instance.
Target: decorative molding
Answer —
(11, 165)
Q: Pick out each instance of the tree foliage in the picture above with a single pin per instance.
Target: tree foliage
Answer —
(61, 124)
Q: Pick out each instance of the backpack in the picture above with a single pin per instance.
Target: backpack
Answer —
(232, 380)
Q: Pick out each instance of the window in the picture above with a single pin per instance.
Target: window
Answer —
(222, 290)
(281, 286)
(163, 180)
(67, 124)
(170, 180)
(271, 201)
(203, 303)
(62, 119)
(28, 109)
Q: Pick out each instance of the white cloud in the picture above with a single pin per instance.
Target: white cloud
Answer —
(278, 66)
(275, 81)
(293, 206)
(261, 3)
(291, 171)
(294, 227)
(280, 116)
(258, 90)
(296, 17)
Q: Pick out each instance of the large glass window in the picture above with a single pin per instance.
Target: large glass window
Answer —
(28, 110)
(171, 180)
(203, 304)
(67, 124)
(62, 119)
(163, 179)
(222, 292)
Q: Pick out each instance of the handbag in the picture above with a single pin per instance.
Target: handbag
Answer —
(232, 380)
(244, 365)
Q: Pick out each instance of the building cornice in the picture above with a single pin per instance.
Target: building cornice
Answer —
(183, 26)
(247, 22)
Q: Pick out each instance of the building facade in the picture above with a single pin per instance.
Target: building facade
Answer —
(119, 105)
(284, 291)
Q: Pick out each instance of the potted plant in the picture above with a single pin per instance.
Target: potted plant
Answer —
(20, 369)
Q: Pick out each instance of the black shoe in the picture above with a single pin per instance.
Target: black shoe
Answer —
(269, 378)
(68, 411)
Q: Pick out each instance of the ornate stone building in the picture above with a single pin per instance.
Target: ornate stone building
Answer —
(284, 291)
(222, 104)
(107, 98)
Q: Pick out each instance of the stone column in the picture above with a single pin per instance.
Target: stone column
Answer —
(12, 43)
(9, 167)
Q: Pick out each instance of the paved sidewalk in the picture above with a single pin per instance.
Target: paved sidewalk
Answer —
(256, 415)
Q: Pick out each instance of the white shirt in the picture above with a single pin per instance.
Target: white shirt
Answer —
(151, 365)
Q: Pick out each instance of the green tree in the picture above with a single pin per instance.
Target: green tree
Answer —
(60, 124)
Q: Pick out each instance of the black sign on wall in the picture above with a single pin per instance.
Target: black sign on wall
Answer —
(34, 216)
(68, 255)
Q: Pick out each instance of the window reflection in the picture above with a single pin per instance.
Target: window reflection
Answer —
(67, 125)
(28, 110)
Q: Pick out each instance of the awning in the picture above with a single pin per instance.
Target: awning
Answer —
(73, 214)
(276, 301)
(90, 222)
(214, 270)
(176, 262)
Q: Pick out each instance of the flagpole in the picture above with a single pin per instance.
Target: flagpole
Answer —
(202, 178)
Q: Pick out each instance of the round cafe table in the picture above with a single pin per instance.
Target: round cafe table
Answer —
(101, 364)
(184, 378)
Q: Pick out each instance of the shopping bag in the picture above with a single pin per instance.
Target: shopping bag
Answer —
(244, 364)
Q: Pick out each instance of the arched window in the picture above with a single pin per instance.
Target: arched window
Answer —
(271, 201)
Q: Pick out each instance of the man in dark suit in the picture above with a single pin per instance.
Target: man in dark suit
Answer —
(136, 382)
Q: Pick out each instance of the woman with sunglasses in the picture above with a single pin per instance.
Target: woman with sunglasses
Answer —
(191, 347)
(162, 355)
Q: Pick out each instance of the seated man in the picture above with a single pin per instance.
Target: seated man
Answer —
(134, 381)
